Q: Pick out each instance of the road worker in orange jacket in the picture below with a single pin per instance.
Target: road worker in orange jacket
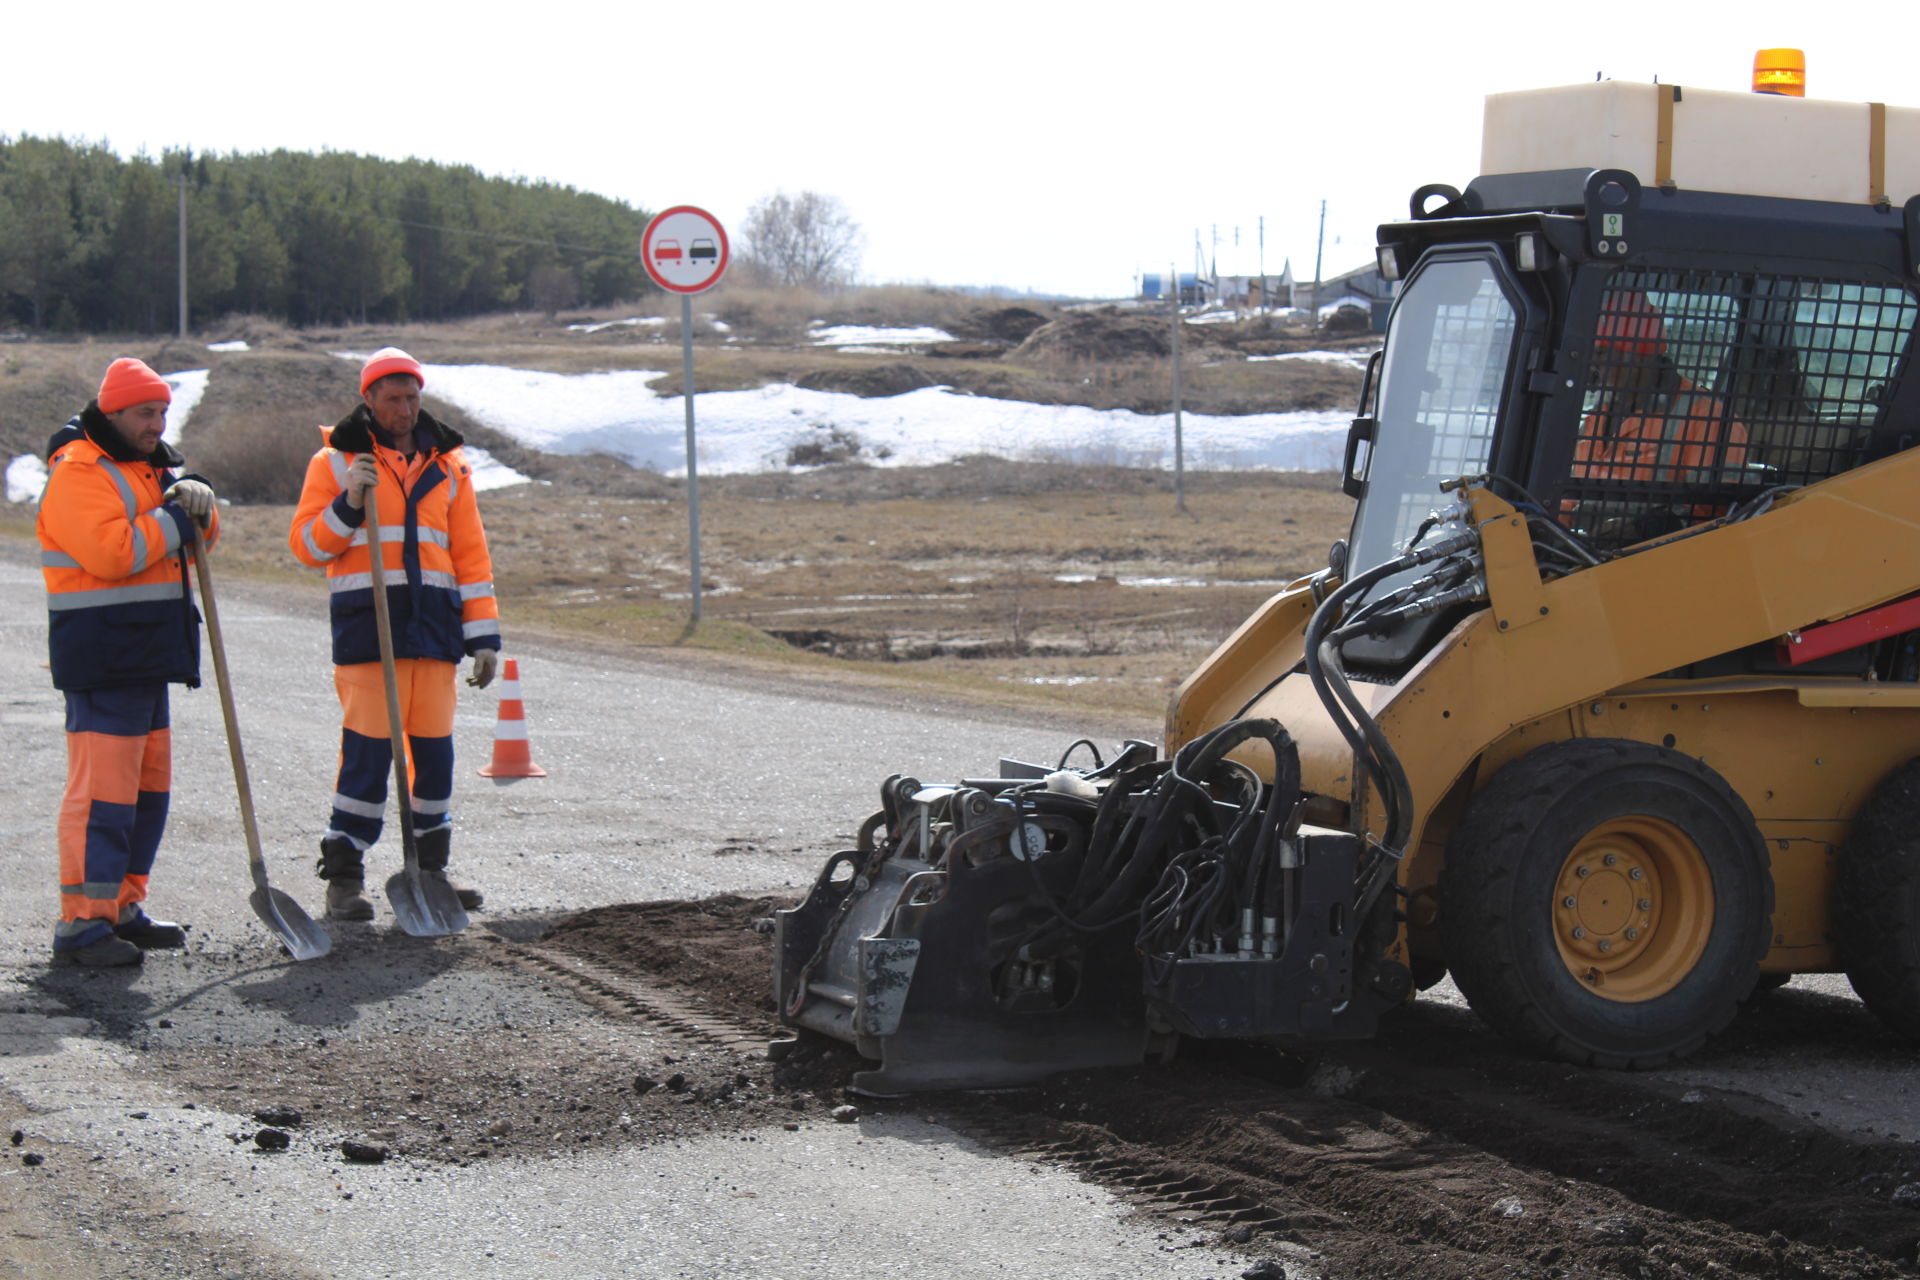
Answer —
(1651, 423)
(439, 581)
(116, 532)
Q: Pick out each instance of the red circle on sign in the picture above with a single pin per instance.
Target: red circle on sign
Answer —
(684, 249)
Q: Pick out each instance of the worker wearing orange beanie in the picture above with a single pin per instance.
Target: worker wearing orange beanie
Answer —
(116, 529)
(439, 580)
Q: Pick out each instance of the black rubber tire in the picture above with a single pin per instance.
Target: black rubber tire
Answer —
(1534, 825)
(1876, 901)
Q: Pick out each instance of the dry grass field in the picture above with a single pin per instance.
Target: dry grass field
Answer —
(1075, 586)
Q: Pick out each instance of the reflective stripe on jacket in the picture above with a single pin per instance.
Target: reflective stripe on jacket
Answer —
(433, 547)
(118, 608)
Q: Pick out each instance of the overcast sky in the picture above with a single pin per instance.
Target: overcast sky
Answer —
(1044, 145)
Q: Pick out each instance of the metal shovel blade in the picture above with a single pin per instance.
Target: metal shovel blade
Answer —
(303, 939)
(424, 906)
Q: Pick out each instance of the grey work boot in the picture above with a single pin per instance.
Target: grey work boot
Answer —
(109, 952)
(347, 900)
(340, 867)
(432, 848)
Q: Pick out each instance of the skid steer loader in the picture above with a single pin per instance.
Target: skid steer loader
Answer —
(1608, 707)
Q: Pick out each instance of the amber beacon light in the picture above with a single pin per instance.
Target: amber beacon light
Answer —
(1781, 71)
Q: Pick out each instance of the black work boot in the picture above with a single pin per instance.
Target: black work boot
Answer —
(148, 934)
(340, 866)
(432, 848)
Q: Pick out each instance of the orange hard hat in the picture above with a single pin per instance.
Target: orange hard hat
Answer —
(389, 360)
(1629, 323)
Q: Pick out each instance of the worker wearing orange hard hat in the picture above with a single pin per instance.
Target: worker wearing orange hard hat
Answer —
(439, 585)
(116, 531)
(1651, 424)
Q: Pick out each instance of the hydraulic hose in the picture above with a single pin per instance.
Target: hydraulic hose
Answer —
(1369, 744)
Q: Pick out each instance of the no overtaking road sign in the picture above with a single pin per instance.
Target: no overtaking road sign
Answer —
(684, 249)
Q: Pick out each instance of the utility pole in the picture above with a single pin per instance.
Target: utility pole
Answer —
(1262, 262)
(1179, 453)
(181, 181)
(1318, 244)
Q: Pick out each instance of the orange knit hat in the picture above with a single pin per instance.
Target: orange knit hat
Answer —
(130, 382)
(389, 360)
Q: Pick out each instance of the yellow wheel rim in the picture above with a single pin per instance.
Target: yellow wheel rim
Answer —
(1632, 909)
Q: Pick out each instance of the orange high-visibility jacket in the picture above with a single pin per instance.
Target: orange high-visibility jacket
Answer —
(113, 556)
(433, 548)
(1681, 435)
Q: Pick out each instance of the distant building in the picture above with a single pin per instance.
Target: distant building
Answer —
(1195, 290)
(1363, 286)
(1253, 293)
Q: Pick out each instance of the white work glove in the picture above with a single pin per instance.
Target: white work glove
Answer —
(485, 663)
(363, 475)
(195, 498)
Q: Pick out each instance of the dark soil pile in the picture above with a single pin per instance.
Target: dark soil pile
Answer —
(1009, 325)
(1097, 336)
(1433, 1151)
(717, 947)
(878, 380)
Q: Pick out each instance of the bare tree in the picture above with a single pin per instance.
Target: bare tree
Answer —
(552, 288)
(808, 239)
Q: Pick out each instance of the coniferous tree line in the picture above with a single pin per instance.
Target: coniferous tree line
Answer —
(89, 240)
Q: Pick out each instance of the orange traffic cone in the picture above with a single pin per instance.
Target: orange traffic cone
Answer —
(511, 756)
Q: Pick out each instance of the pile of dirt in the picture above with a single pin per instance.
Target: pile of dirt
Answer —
(717, 946)
(871, 382)
(1009, 325)
(1348, 320)
(1097, 335)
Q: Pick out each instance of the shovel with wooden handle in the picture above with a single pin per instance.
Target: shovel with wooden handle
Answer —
(303, 939)
(425, 906)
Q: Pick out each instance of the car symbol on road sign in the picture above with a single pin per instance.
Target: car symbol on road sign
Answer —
(684, 249)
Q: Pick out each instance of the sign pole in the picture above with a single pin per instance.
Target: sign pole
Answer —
(693, 457)
(684, 250)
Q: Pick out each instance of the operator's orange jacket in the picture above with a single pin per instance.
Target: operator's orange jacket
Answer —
(1679, 435)
(433, 548)
(114, 553)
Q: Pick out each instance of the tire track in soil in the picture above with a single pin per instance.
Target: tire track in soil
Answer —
(1433, 1151)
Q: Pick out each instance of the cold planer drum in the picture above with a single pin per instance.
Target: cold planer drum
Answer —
(997, 931)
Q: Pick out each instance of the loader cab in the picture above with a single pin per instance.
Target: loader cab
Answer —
(1446, 381)
(1623, 386)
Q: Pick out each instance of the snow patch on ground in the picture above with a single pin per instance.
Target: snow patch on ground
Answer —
(1355, 359)
(742, 431)
(26, 478)
(864, 335)
(489, 473)
(188, 387)
(644, 322)
(238, 344)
